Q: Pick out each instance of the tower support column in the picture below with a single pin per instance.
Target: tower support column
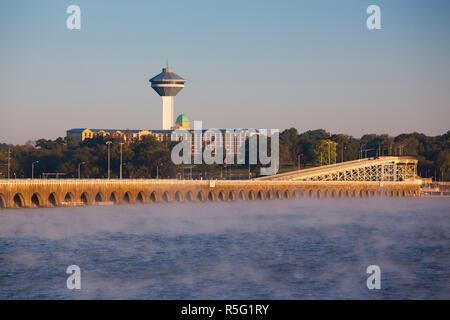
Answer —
(167, 112)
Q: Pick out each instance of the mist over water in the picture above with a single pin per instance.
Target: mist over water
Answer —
(299, 249)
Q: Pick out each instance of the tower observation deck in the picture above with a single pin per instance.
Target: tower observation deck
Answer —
(167, 84)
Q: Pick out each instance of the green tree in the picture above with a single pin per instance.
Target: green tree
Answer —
(324, 152)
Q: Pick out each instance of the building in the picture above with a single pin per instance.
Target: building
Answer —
(232, 141)
(168, 84)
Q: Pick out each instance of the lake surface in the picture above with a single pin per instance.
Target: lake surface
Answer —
(299, 249)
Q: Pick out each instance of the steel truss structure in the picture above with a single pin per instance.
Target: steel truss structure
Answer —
(379, 169)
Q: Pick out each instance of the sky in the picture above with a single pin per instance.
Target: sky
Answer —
(248, 64)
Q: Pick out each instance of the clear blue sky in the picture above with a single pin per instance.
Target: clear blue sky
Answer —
(262, 64)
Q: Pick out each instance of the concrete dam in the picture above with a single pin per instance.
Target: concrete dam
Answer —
(31, 193)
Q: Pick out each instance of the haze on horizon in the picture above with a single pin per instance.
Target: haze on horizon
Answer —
(253, 64)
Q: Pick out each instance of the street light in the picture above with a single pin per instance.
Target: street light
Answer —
(32, 169)
(120, 175)
(329, 151)
(79, 169)
(9, 161)
(328, 142)
(342, 154)
(157, 170)
(108, 143)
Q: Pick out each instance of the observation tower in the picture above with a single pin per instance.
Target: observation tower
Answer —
(167, 84)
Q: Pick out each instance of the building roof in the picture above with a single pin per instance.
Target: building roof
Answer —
(80, 130)
(182, 119)
(167, 75)
(76, 130)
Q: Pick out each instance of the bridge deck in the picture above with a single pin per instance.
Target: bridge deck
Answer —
(68, 192)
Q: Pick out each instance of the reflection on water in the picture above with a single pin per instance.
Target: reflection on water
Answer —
(246, 250)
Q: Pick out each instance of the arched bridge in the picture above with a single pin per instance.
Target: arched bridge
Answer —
(402, 168)
(66, 192)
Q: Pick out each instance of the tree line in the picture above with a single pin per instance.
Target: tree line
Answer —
(150, 158)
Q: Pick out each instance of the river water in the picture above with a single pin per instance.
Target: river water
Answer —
(299, 249)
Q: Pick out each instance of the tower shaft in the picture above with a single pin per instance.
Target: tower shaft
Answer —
(167, 84)
(167, 112)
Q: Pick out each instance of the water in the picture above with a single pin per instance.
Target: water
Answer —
(305, 249)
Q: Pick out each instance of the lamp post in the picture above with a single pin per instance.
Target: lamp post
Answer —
(329, 151)
(157, 170)
(342, 154)
(9, 158)
(32, 169)
(121, 160)
(335, 153)
(79, 169)
(108, 143)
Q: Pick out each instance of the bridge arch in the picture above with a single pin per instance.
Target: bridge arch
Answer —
(2, 202)
(99, 197)
(251, 195)
(178, 197)
(165, 197)
(286, 194)
(319, 194)
(153, 197)
(18, 201)
(298, 194)
(113, 197)
(231, 196)
(268, 195)
(84, 198)
(211, 196)
(141, 197)
(127, 197)
(260, 195)
(241, 195)
(200, 196)
(221, 196)
(189, 196)
(36, 200)
(68, 197)
(52, 199)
